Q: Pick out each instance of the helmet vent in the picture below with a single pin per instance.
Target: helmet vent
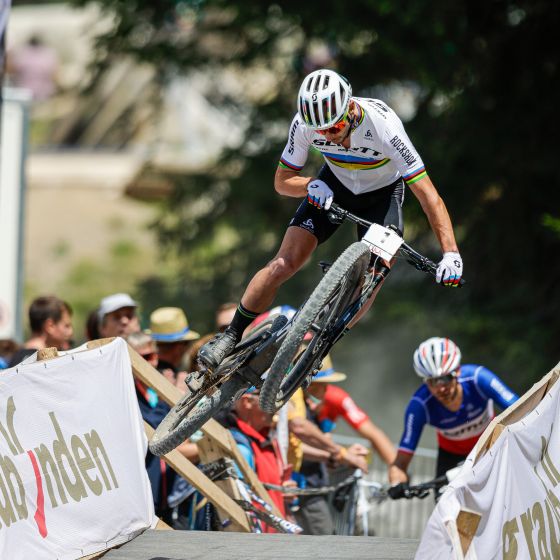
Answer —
(333, 105)
(316, 84)
(316, 115)
(326, 112)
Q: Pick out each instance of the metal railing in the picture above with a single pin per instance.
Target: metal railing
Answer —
(391, 518)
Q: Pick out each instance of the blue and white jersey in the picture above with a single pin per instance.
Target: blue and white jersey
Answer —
(457, 431)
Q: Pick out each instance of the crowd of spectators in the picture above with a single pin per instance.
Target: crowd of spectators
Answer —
(301, 459)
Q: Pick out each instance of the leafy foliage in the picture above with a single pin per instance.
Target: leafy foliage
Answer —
(487, 77)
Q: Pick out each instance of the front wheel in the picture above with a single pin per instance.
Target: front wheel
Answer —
(176, 427)
(322, 310)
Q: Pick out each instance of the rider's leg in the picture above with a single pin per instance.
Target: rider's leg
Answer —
(295, 250)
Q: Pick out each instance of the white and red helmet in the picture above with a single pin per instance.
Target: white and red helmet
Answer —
(436, 357)
(323, 98)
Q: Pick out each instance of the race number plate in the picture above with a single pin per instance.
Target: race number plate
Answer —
(383, 241)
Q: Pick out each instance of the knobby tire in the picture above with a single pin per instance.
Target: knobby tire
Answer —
(350, 265)
(168, 437)
(180, 424)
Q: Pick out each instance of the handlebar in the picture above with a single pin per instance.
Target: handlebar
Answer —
(336, 214)
(382, 492)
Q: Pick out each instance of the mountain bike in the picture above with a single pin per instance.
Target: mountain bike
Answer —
(335, 303)
(209, 392)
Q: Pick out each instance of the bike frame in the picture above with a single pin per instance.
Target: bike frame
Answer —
(375, 275)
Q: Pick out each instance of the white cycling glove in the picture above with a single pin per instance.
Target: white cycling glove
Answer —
(319, 194)
(450, 269)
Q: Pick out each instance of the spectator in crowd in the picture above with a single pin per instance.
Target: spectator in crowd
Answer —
(457, 400)
(170, 329)
(92, 325)
(143, 343)
(117, 316)
(250, 427)
(8, 348)
(50, 321)
(34, 66)
(329, 402)
(224, 315)
(312, 451)
(162, 476)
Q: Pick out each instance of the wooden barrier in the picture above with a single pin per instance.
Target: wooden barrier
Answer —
(217, 442)
(468, 520)
(221, 440)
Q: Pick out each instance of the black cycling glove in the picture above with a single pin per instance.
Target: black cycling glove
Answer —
(400, 490)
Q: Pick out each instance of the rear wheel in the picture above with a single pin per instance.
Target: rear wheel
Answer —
(176, 427)
(193, 411)
(322, 310)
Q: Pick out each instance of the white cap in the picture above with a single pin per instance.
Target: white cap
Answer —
(112, 303)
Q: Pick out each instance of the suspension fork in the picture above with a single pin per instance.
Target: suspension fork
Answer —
(359, 307)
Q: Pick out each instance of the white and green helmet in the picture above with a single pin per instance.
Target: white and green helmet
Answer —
(323, 98)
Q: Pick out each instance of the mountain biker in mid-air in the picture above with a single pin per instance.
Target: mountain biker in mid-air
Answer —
(368, 160)
(456, 399)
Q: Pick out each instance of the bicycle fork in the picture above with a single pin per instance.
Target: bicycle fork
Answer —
(356, 309)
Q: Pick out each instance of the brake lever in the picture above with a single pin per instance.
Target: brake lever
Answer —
(336, 215)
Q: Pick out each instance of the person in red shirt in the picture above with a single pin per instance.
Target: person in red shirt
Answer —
(330, 402)
(250, 427)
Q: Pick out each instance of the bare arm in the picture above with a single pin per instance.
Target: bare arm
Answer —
(311, 434)
(189, 450)
(436, 212)
(379, 441)
(290, 183)
(311, 453)
(398, 470)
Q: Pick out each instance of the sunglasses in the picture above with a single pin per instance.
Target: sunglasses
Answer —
(149, 355)
(337, 127)
(442, 380)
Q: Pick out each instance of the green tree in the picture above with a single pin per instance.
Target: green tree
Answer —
(485, 76)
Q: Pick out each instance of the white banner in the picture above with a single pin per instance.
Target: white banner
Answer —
(514, 486)
(72, 448)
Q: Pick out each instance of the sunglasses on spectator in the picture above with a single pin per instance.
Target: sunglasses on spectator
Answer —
(337, 127)
(441, 380)
(149, 356)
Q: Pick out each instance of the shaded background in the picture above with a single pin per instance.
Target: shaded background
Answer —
(206, 93)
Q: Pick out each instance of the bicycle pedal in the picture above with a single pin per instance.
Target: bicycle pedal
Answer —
(194, 381)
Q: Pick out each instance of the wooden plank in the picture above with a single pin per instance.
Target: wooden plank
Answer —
(204, 485)
(198, 545)
(467, 524)
(47, 354)
(91, 344)
(222, 437)
(209, 452)
(518, 410)
(163, 526)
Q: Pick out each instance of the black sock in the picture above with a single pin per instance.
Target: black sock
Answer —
(241, 320)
